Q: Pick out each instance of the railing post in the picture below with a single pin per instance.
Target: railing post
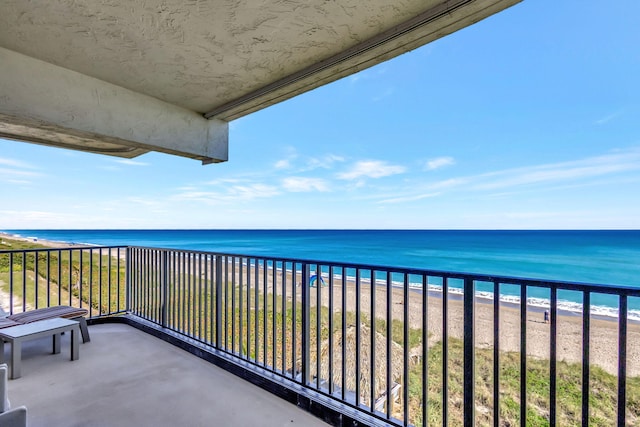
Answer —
(127, 275)
(469, 349)
(164, 288)
(306, 323)
(218, 300)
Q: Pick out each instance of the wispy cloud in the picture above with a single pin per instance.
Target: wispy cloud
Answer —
(230, 194)
(298, 184)
(130, 162)
(608, 118)
(282, 164)
(324, 162)
(371, 169)
(17, 172)
(589, 171)
(438, 163)
(12, 163)
(384, 94)
(408, 199)
(560, 172)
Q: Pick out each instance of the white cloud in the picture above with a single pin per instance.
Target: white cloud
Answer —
(324, 162)
(223, 181)
(558, 172)
(130, 162)
(371, 169)
(382, 95)
(234, 193)
(15, 172)
(408, 198)
(283, 164)
(300, 184)
(12, 163)
(608, 118)
(439, 162)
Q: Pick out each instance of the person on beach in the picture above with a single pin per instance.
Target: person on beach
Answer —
(546, 316)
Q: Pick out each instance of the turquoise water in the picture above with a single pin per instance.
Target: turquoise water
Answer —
(601, 257)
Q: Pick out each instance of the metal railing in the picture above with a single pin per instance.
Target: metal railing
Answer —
(363, 335)
(396, 345)
(89, 277)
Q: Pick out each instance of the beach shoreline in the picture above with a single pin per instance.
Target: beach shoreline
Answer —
(48, 243)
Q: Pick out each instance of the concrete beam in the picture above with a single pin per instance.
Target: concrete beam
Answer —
(47, 104)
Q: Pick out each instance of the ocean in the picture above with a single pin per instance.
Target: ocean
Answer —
(600, 257)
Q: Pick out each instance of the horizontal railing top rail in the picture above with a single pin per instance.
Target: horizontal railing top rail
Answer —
(66, 248)
(613, 289)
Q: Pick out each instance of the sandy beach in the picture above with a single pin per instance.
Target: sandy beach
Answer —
(48, 243)
(603, 334)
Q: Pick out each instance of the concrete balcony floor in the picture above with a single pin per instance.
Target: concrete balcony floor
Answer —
(125, 377)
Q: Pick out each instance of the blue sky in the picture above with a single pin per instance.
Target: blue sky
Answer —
(527, 120)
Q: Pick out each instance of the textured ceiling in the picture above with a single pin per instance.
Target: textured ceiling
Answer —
(115, 66)
(196, 54)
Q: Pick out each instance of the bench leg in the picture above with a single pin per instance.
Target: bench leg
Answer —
(83, 329)
(56, 343)
(16, 359)
(75, 347)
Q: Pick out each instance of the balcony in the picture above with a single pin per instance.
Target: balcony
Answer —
(419, 347)
(128, 377)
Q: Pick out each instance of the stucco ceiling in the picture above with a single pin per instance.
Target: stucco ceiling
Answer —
(225, 59)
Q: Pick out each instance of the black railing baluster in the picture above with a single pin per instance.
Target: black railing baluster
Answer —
(469, 350)
(49, 280)
(445, 351)
(553, 338)
(358, 326)
(343, 389)
(294, 316)
(622, 361)
(405, 347)
(523, 355)
(496, 354)
(389, 350)
(24, 282)
(330, 379)
(372, 342)
(318, 325)
(11, 283)
(35, 278)
(425, 337)
(80, 280)
(306, 324)
(586, 327)
(218, 261)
